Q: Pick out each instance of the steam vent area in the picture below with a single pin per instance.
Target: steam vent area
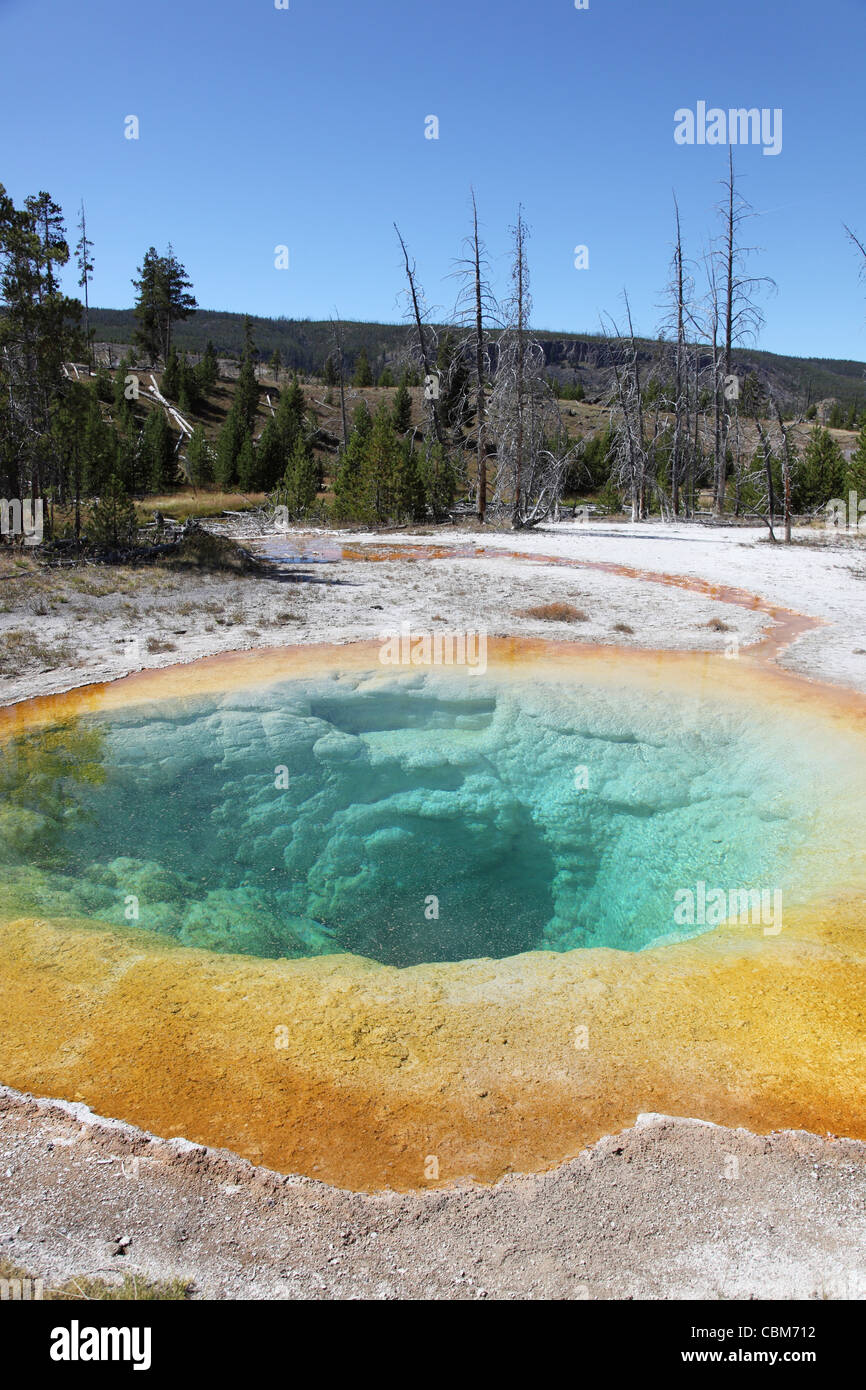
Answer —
(399, 924)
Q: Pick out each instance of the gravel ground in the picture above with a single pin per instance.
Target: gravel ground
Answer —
(670, 1209)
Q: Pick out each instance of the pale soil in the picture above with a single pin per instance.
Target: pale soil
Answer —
(651, 1213)
(74, 630)
(647, 1214)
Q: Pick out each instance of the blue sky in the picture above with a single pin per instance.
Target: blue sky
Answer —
(305, 127)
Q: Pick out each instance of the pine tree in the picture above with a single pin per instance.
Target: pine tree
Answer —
(246, 464)
(276, 365)
(148, 334)
(171, 376)
(351, 499)
(249, 348)
(39, 331)
(119, 393)
(440, 482)
(68, 429)
(46, 217)
(754, 397)
(83, 253)
(386, 377)
(163, 298)
(298, 487)
(271, 456)
(104, 384)
(99, 448)
(402, 409)
(228, 447)
(329, 375)
(207, 370)
(291, 410)
(412, 500)
(199, 460)
(177, 300)
(822, 475)
(363, 376)
(383, 467)
(855, 476)
(246, 403)
(112, 520)
(189, 396)
(128, 462)
(157, 450)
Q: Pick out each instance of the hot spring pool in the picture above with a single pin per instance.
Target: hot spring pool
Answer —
(407, 820)
(346, 919)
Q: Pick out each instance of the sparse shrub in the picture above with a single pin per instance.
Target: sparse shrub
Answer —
(556, 613)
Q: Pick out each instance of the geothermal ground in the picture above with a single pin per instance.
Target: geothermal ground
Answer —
(672, 1208)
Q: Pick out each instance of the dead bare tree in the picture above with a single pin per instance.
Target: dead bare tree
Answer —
(532, 453)
(787, 458)
(858, 246)
(773, 449)
(680, 397)
(635, 452)
(767, 460)
(738, 315)
(477, 310)
(424, 343)
(680, 295)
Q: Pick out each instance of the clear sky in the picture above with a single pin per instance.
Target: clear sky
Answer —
(305, 127)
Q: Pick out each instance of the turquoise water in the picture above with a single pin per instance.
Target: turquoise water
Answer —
(407, 819)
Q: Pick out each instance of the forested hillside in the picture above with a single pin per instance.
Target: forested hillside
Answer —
(571, 358)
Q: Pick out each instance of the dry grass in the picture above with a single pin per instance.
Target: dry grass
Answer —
(717, 625)
(156, 644)
(21, 651)
(556, 613)
(186, 503)
(623, 627)
(131, 1287)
